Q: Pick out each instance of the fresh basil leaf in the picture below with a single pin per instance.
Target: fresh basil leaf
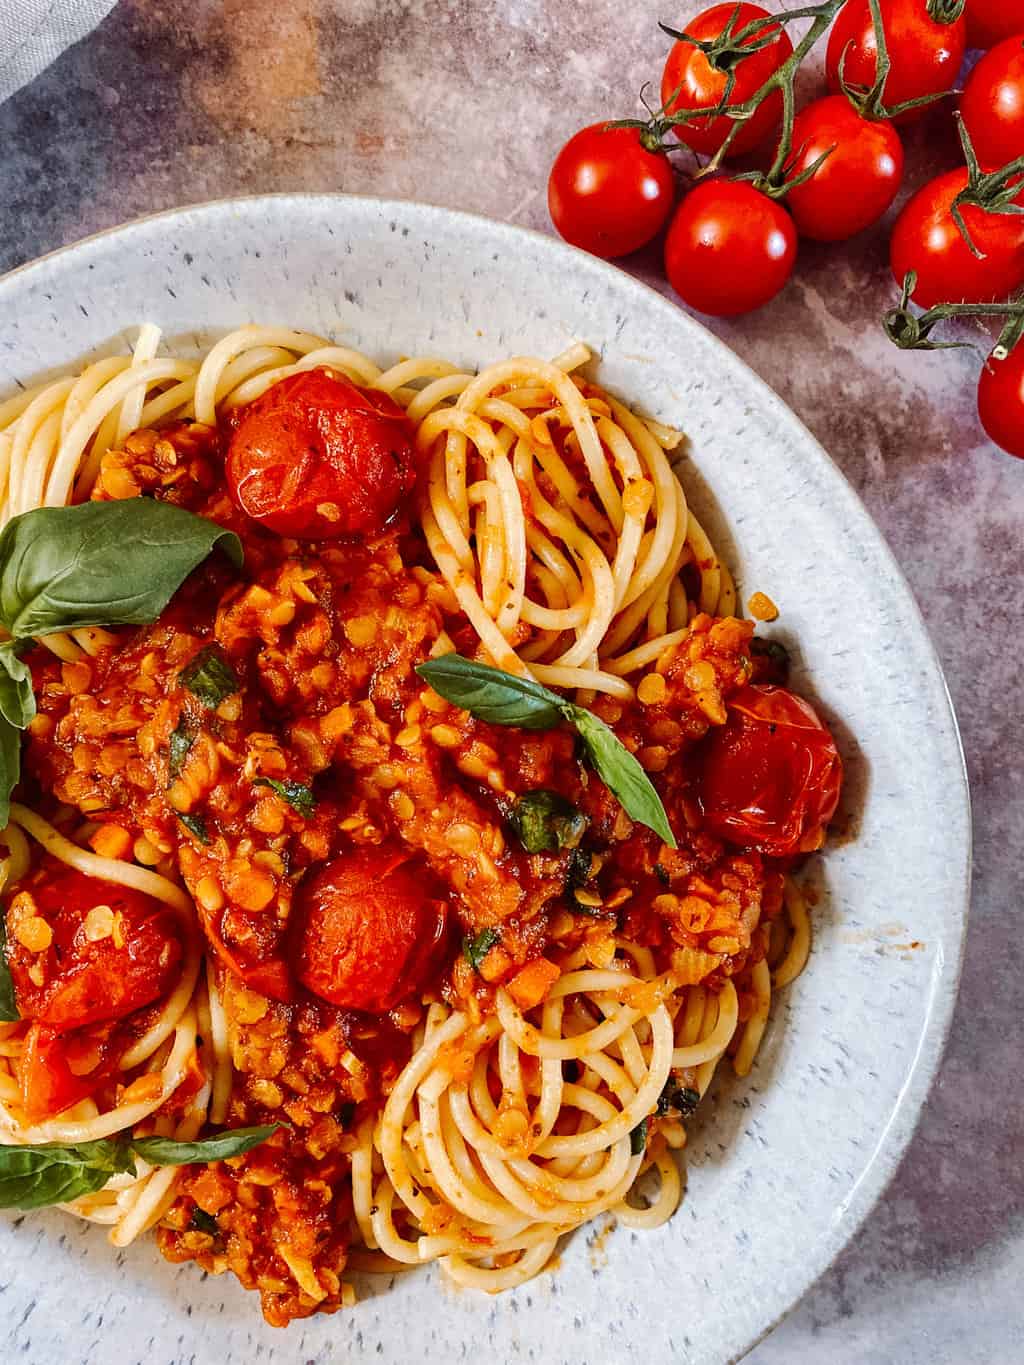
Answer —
(209, 677)
(201, 1221)
(298, 796)
(492, 695)
(196, 826)
(178, 746)
(578, 870)
(619, 770)
(638, 1138)
(49, 1173)
(10, 766)
(8, 999)
(100, 563)
(161, 1151)
(17, 700)
(545, 821)
(475, 947)
(678, 1097)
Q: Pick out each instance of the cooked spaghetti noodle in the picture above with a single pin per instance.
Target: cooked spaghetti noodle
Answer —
(502, 1104)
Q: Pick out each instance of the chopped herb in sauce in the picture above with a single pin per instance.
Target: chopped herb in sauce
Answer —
(209, 677)
(201, 1221)
(638, 1138)
(678, 1097)
(546, 821)
(475, 947)
(298, 796)
(196, 826)
(178, 745)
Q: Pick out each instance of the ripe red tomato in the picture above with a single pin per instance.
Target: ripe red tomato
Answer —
(367, 926)
(926, 55)
(607, 193)
(730, 248)
(926, 239)
(1001, 401)
(89, 980)
(689, 81)
(769, 778)
(990, 21)
(57, 1069)
(993, 104)
(856, 183)
(316, 458)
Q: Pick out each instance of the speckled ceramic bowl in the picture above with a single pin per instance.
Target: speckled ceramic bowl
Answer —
(782, 1167)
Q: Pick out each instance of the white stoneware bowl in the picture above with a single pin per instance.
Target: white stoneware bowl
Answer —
(781, 1167)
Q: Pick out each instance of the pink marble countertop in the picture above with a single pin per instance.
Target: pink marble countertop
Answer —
(462, 103)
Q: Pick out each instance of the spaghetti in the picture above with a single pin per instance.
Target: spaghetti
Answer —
(503, 1103)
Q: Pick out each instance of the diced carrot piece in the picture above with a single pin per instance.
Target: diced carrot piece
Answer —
(530, 985)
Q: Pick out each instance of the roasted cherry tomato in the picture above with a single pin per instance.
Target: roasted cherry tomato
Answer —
(112, 951)
(992, 106)
(692, 81)
(730, 248)
(769, 778)
(367, 926)
(607, 193)
(926, 54)
(927, 240)
(856, 182)
(1001, 400)
(990, 21)
(316, 458)
(57, 1069)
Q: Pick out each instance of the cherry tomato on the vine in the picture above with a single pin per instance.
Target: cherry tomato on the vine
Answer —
(607, 193)
(927, 240)
(856, 182)
(990, 21)
(730, 248)
(691, 81)
(1001, 401)
(769, 778)
(926, 54)
(993, 104)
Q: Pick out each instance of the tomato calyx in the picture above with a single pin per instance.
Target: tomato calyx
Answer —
(725, 52)
(996, 191)
(913, 333)
(867, 99)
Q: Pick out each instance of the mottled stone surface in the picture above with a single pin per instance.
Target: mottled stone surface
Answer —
(464, 104)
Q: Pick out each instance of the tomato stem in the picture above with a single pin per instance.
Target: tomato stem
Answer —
(912, 333)
(992, 192)
(867, 100)
(945, 11)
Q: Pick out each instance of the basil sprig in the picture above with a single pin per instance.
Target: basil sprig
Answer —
(98, 564)
(500, 698)
(50, 1173)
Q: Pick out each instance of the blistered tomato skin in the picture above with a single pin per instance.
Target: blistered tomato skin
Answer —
(318, 458)
(97, 968)
(769, 778)
(367, 929)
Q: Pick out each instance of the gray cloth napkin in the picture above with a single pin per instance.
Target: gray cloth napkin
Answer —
(33, 33)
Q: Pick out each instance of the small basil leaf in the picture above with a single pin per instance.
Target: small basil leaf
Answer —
(578, 870)
(8, 999)
(621, 773)
(678, 1097)
(100, 563)
(196, 826)
(298, 796)
(546, 821)
(638, 1138)
(10, 766)
(209, 677)
(17, 700)
(49, 1173)
(160, 1151)
(201, 1221)
(475, 947)
(178, 746)
(491, 694)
